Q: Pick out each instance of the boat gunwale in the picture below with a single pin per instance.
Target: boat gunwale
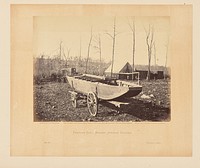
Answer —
(132, 85)
(125, 88)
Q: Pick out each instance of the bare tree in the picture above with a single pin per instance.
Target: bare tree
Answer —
(65, 57)
(167, 45)
(88, 53)
(154, 48)
(97, 46)
(80, 50)
(68, 52)
(113, 39)
(60, 55)
(60, 50)
(149, 42)
(132, 27)
(68, 55)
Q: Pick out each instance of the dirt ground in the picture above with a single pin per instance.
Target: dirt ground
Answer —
(52, 103)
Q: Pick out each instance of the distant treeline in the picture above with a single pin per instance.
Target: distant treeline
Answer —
(44, 67)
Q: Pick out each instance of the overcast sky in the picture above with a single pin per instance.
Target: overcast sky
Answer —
(49, 31)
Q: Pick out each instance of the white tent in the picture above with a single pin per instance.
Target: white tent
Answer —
(124, 67)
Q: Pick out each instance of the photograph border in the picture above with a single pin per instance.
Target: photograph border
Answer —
(81, 139)
(7, 161)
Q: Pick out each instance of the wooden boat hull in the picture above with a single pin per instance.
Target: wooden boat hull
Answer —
(102, 90)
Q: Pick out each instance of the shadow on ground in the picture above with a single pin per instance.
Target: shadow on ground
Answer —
(145, 111)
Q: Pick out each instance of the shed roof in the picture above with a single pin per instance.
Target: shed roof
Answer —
(125, 67)
(145, 68)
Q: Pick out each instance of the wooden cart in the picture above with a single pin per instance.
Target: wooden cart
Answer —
(95, 90)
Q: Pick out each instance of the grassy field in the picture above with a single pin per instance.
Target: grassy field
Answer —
(52, 103)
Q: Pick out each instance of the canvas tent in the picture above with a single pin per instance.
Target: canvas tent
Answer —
(120, 71)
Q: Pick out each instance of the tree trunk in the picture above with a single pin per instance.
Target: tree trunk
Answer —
(149, 41)
(149, 68)
(88, 54)
(113, 51)
(99, 55)
(166, 61)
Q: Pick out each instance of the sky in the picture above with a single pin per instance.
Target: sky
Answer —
(49, 31)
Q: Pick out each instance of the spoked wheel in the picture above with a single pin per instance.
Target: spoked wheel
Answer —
(92, 103)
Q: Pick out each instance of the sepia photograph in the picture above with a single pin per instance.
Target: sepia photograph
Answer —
(110, 83)
(101, 68)
(100, 80)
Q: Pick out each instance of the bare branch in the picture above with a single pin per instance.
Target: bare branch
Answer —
(132, 24)
(152, 36)
(96, 47)
(68, 52)
(118, 33)
(95, 38)
(145, 30)
(109, 35)
(64, 54)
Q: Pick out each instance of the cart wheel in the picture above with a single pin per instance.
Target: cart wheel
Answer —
(92, 103)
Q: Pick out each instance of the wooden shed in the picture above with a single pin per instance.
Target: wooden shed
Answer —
(156, 72)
